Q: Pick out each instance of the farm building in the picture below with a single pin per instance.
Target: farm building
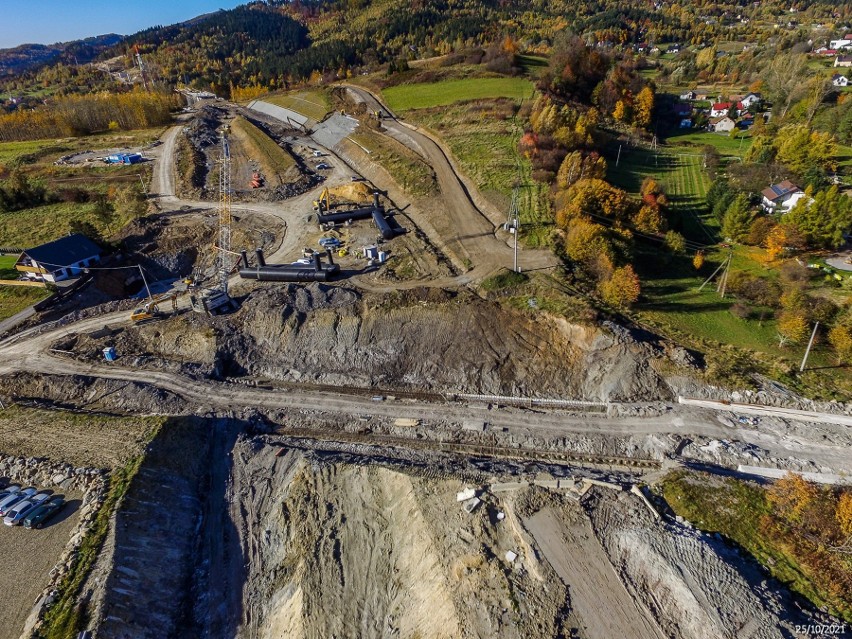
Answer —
(59, 260)
(778, 195)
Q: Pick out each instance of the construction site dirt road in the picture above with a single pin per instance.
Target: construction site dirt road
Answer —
(29, 352)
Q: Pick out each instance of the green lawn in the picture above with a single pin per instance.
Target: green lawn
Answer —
(313, 104)
(407, 168)
(7, 267)
(725, 144)
(483, 137)
(681, 173)
(272, 158)
(702, 320)
(14, 299)
(35, 226)
(418, 96)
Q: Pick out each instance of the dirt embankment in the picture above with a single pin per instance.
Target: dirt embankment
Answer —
(344, 551)
(422, 340)
(695, 586)
(432, 340)
(141, 586)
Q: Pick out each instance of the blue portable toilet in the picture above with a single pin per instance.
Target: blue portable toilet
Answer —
(109, 354)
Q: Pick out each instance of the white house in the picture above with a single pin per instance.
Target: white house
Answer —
(722, 125)
(843, 43)
(843, 61)
(749, 100)
(839, 80)
(719, 109)
(689, 95)
(793, 200)
(778, 195)
(59, 260)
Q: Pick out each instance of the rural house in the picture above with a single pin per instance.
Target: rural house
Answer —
(719, 109)
(59, 260)
(721, 125)
(778, 195)
(749, 100)
(840, 80)
(843, 61)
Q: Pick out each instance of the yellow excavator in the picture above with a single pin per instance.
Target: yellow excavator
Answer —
(324, 200)
(151, 308)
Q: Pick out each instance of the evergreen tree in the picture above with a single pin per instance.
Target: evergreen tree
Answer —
(738, 218)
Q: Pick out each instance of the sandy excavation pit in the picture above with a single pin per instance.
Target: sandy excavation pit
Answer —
(303, 543)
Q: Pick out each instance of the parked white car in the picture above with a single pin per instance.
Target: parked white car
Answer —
(16, 515)
(8, 502)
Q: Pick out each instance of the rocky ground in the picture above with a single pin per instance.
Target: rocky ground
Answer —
(425, 340)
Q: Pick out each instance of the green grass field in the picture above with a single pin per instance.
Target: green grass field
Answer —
(14, 299)
(407, 168)
(405, 97)
(484, 139)
(672, 304)
(35, 226)
(726, 145)
(272, 158)
(313, 104)
(7, 267)
(681, 173)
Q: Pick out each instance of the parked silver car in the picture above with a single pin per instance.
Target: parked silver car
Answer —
(8, 502)
(9, 490)
(20, 510)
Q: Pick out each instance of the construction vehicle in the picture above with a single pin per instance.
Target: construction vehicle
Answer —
(256, 180)
(324, 201)
(151, 309)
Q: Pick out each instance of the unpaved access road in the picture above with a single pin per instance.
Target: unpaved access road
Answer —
(597, 594)
(27, 352)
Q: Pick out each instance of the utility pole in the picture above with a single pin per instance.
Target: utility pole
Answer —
(513, 224)
(724, 265)
(147, 288)
(723, 281)
(808, 349)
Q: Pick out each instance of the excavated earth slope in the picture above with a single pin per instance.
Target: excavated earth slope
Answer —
(338, 550)
(428, 339)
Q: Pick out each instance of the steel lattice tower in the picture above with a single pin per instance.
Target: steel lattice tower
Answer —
(225, 215)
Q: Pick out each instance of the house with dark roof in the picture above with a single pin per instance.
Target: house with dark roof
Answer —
(59, 260)
(778, 195)
(839, 80)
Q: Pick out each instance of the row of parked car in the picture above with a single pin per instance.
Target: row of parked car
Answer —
(28, 506)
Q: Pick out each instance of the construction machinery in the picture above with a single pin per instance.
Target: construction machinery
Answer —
(151, 309)
(256, 180)
(324, 201)
(213, 300)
